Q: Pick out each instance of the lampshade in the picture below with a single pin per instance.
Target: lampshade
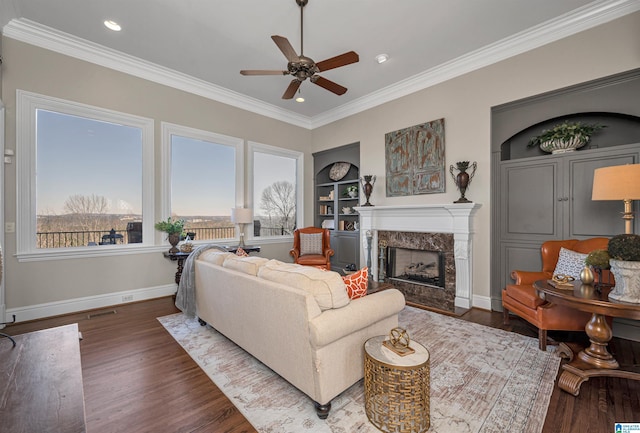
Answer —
(619, 182)
(241, 215)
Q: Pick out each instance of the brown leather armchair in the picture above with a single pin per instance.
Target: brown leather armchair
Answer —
(323, 259)
(522, 299)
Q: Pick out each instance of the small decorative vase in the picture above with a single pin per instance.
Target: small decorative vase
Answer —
(586, 275)
(174, 238)
(353, 194)
(367, 186)
(463, 179)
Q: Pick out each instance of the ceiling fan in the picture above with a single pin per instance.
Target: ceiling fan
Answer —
(302, 67)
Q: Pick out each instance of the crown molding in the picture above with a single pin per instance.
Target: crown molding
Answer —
(591, 15)
(33, 33)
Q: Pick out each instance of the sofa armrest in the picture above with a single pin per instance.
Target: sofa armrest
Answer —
(334, 324)
(528, 277)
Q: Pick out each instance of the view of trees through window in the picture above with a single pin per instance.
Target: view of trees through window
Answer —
(88, 185)
(275, 194)
(203, 190)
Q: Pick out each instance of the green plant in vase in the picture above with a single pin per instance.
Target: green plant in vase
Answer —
(624, 250)
(598, 260)
(565, 137)
(173, 229)
(351, 191)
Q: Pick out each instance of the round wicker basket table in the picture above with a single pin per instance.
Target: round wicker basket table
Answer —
(396, 388)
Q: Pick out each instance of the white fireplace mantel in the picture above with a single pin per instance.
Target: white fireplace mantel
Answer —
(456, 218)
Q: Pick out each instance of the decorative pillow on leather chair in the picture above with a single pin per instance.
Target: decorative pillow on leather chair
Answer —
(357, 283)
(310, 243)
(570, 263)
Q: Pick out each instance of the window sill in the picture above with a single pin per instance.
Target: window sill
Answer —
(85, 252)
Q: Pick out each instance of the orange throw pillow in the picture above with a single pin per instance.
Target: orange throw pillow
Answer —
(241, 253)
(357, 283)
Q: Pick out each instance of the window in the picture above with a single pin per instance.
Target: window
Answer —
(203, 180)
(277, 200)
(94, 182)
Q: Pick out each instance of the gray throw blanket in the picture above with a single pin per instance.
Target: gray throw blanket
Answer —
(186, 296)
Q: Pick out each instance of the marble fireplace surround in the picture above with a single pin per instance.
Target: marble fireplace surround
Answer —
(427, 218)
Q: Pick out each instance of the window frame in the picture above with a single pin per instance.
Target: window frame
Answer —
(27, 103)
(167, 131)
(277, 151)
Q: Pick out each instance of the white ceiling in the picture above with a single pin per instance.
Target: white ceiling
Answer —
(201, 45)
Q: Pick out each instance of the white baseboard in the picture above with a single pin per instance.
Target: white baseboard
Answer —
(39, 311)
(483, 302)
(627, 329)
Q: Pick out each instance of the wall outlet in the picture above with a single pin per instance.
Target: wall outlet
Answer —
(127, 298)
(9, 227)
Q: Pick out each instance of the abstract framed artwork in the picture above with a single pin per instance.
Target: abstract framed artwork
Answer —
(414, 160)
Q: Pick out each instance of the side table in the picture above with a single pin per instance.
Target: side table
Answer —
(396, 388)
(247, 248)
(180, 257)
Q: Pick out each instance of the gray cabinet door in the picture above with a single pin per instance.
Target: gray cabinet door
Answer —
(346, 248)
(549, 197)
(531, 198)
(585, 218)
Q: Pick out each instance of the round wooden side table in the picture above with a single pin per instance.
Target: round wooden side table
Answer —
(396, 388)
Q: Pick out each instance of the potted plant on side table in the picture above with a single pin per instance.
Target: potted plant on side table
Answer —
(173, 229)
(565, 137)
(624, 250)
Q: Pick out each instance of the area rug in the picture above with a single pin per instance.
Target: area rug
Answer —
(482, 379)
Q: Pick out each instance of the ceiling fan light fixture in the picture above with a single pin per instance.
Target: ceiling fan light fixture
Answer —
(381, 58)
(112, 25)
(299, 99)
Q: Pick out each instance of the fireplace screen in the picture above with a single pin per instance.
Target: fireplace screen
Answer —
(416, 266)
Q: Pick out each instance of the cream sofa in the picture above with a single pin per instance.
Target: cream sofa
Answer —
(297, 320)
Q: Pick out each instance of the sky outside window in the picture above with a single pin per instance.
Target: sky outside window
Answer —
(82, 156)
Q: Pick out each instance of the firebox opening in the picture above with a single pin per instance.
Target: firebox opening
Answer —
(416, 266)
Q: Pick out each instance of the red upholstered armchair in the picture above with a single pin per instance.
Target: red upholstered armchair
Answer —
(312, 247)
(522, 299)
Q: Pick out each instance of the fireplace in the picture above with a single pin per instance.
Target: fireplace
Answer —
(415, 266)
(447, 228)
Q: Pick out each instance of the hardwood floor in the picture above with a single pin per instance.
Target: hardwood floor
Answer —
(138, 379)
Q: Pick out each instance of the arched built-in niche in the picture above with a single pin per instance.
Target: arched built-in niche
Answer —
(620, 129)
(611, 101)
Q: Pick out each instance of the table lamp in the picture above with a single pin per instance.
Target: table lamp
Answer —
(241, 216)
(618, 182)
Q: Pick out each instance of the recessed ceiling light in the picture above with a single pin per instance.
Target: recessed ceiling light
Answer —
(381, 58)
(299, 99)
(112, 25)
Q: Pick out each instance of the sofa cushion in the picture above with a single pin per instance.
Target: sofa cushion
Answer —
(248, 265)
(357, 283)
(214, 256)
(327, 287)
(570, 263)
(310, 243)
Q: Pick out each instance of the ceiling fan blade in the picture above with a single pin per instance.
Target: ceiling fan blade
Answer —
(337, 61)
(262, 72)
(292, 89)
(329, 85)
(286, 48)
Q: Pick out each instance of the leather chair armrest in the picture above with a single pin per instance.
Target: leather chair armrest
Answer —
(528, 277)
(328, 253)
(295, 254)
